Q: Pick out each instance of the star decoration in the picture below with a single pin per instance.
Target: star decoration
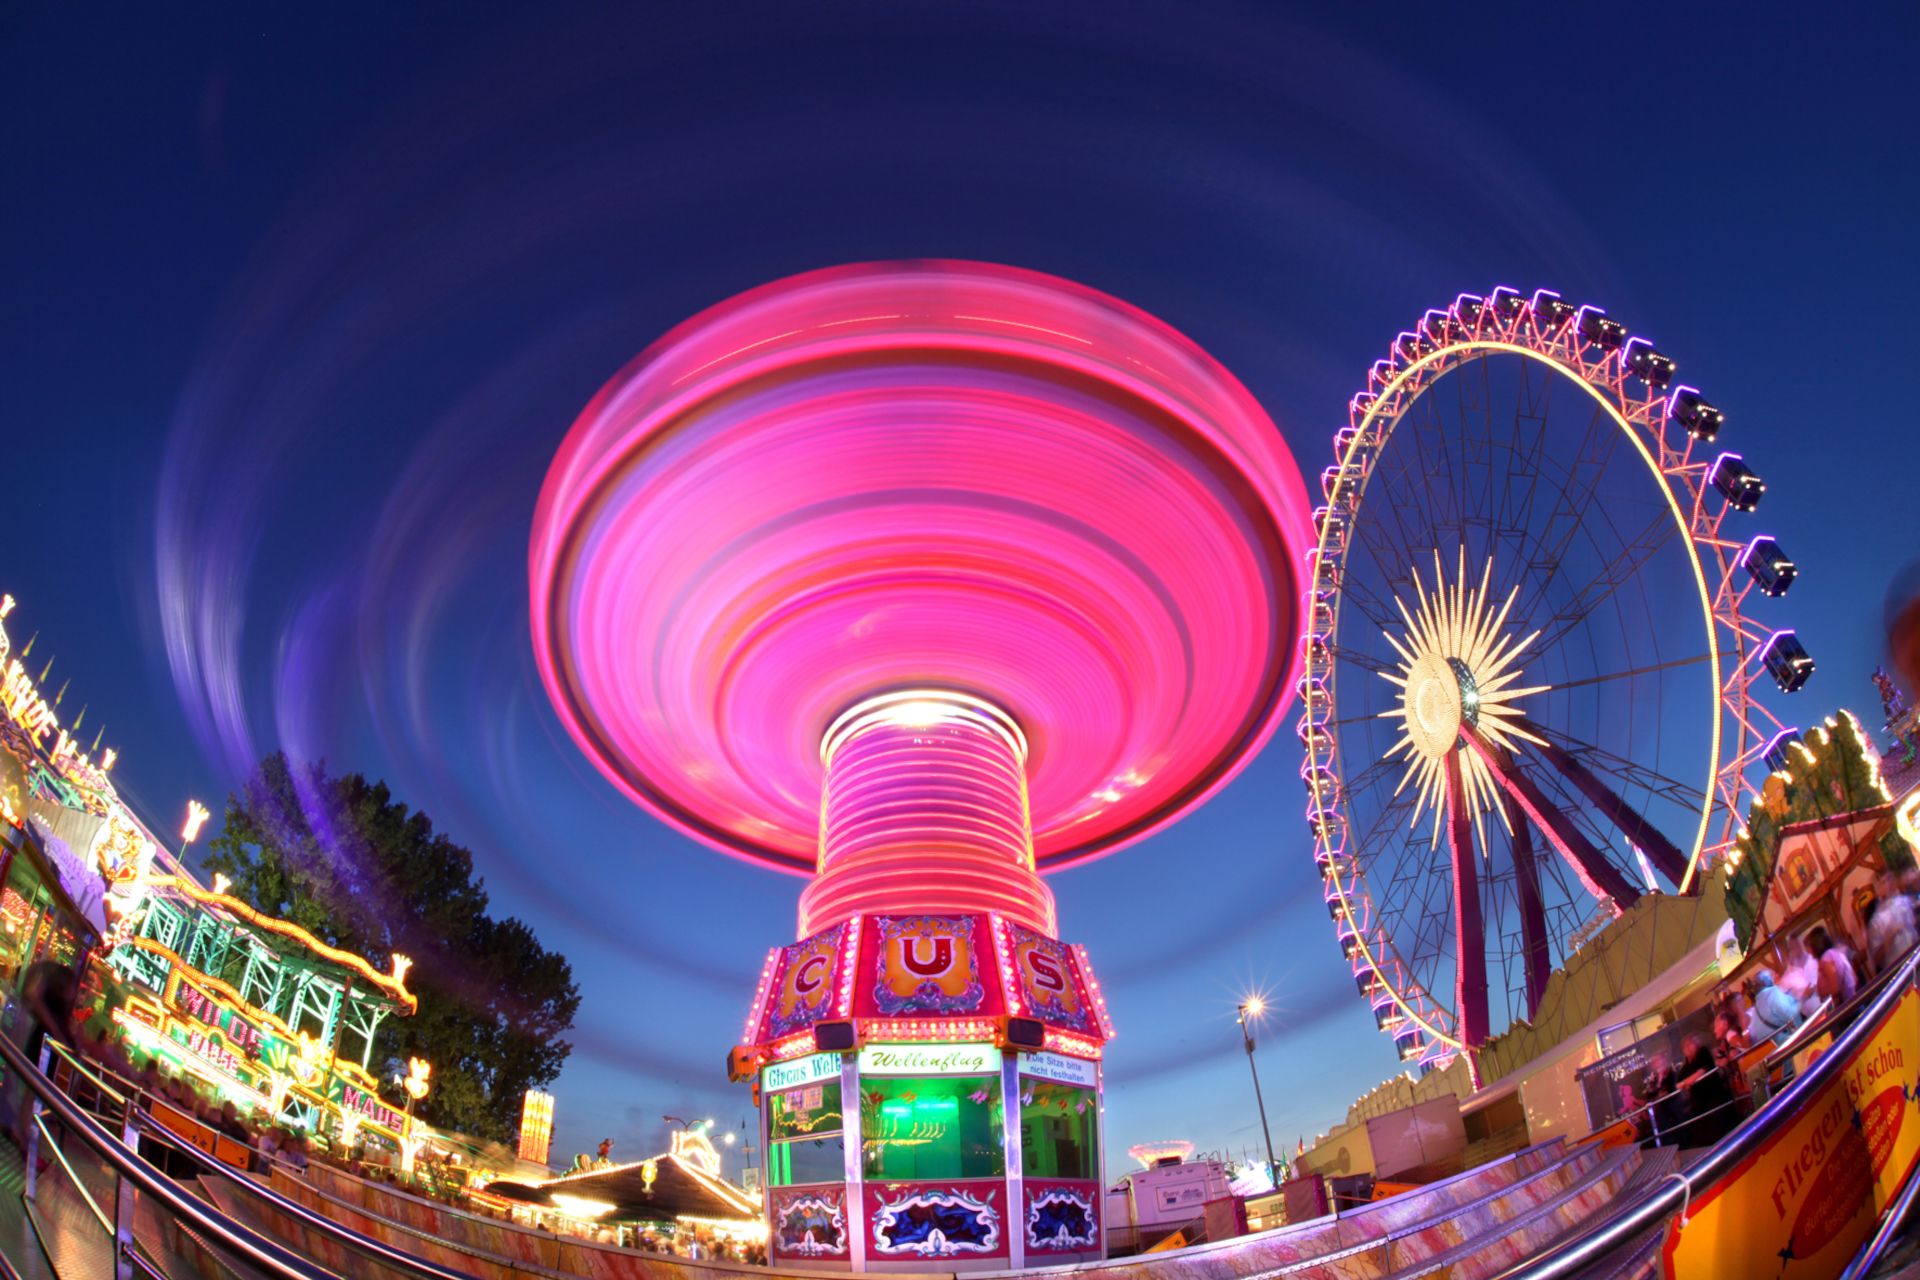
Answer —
(1458, 667)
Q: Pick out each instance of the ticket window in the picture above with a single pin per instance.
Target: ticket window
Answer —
(806, 1136)
(1059, 1130)
(931, 1128)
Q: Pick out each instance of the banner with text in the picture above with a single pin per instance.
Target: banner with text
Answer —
(1807, 1199)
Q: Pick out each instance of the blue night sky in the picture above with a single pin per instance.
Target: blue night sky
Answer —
(297, 308)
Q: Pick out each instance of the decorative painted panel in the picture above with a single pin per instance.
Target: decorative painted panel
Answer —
(1050, 990)
(1062, 1217)
(926, 965)
(936, 1220)
(803, 991)
(810, 1222)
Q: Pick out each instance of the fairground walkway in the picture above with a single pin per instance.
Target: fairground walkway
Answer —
(96, 1210)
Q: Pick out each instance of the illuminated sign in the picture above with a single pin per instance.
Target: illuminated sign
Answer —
(536, 1126)
(207, 1011)
(1058, 1067)
(358, 1102)
(1047, 987)
(929, 1060)
(926, 964)
(25, 705)
(786, 1075)
(36, 718)
(806, 983)
(208, 1049)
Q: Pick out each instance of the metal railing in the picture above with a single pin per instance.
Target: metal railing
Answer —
(1671, 1195)
(393, 1259)
(134, 1175)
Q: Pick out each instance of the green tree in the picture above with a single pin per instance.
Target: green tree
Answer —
(343, 859)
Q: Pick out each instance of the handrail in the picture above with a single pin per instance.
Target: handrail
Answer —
(1670, 1195)
(87, 1069)
(106, 1223)
(257, 1249)
(398, 1259)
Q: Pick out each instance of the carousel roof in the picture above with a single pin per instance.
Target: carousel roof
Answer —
(681, 1183)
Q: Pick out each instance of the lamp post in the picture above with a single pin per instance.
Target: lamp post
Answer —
(1251, 1008)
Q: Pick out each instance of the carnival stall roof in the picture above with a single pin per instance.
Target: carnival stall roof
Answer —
(680, 1184)
(1823, 871)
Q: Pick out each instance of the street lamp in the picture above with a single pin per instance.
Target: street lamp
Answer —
(1250, 1010)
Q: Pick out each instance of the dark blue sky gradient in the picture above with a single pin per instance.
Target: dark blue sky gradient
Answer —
(297, 307)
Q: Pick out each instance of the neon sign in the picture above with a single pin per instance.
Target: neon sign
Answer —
(536, 1126)
(785, 1075)
(207, 1048)
(929, 1060)
(359, 1103)
(204, 1009)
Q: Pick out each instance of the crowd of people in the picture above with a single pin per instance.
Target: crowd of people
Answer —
(1820, 970)
(1699, 1099)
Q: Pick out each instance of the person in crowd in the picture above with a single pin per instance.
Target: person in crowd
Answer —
(1776, 1012)
(47, 991)
(1800, 976)
(1891, 933)
(1838, 980)
(1739, 1008)
(1669, 1108)
(1729, 1037)
(1633, 1108)
(1709, 1098)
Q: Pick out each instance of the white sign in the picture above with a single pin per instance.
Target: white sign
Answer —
(815, 1067)
(929, 1060)
(1058, 1066)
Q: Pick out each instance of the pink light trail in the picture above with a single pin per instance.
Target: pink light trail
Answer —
(922, 474)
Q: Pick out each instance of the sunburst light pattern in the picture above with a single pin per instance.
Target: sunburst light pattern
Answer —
(1458, 667)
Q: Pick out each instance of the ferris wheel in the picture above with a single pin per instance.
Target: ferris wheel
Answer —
(1535, 665)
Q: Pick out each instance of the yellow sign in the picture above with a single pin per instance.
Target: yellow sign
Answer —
(1800, 1207)
(1178, 1240)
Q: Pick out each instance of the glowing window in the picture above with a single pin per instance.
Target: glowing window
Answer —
(804, 1136)
(1058, 1130)
(925, 1128)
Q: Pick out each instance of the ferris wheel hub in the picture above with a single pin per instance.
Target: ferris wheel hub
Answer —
(1435, 705)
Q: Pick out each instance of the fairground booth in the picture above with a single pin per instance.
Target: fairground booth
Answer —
(63, 832)
(262, 1012)
(939, 1074)
(677, 1194)
(1832, 819)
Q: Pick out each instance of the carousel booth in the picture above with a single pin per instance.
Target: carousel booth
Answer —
(930, 1089)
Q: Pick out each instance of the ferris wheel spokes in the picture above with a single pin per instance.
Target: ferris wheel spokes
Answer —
(1649, 839)
(1601, 878)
